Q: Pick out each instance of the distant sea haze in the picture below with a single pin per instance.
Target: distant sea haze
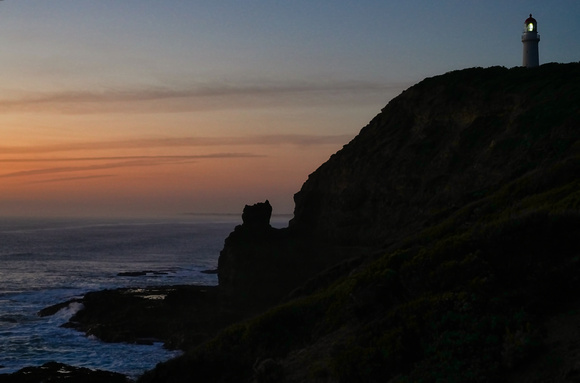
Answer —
(49, 261)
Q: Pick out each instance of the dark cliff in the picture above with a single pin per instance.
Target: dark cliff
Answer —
(259, 264)
(442, 143)
(461, 201)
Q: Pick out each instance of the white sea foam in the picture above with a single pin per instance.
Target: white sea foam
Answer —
(67, 312)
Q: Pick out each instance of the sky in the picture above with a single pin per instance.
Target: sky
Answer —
(127, 108)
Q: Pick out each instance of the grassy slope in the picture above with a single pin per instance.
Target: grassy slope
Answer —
(469, 299)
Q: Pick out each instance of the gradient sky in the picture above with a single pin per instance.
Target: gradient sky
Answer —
(149, 107)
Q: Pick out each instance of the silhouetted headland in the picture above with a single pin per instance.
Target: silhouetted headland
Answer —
(440, 244)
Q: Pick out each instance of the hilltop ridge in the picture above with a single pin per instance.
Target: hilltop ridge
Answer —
(460, 205)
(444, 142)
(449, 229)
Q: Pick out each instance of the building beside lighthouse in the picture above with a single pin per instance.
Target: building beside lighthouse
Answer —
(530, 39)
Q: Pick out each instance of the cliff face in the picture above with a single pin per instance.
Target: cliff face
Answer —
(259, 264)
(252, 264)
(442, 143)
(462, 200)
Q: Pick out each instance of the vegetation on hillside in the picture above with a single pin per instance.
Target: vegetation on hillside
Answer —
(455, 306)
(467, 298)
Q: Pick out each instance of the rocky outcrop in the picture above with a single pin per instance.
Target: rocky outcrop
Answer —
(58, 372)
(260, 264)
(179, 316)
(257, 217)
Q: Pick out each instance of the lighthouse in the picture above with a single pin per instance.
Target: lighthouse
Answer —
(530, 39)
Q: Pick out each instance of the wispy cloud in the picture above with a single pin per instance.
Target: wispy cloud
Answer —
(113, 158)
(103, 164)
(262, 140)
(42, 155)
(194, 97)
(67, 179)
(68, 169)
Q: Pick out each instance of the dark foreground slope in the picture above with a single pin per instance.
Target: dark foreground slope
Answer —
(468, 186)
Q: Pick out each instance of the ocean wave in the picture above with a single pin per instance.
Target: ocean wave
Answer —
(65, 313)
(12, 318)
(19, 255)
(43, 267)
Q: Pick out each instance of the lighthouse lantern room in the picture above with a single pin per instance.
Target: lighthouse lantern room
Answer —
(530, 39)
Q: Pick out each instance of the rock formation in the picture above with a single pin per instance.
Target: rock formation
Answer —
(58, 372)
(257, 217)
(260, 264)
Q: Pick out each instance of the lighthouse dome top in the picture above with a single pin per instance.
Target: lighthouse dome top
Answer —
(531, 25)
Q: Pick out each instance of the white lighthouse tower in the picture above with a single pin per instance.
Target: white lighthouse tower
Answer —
(530, 39)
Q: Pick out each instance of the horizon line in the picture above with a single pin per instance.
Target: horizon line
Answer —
(236, 214)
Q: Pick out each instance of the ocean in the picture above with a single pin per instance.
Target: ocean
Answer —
(48, 261)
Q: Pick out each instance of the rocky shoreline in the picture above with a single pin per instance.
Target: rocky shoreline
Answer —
(59, 372)
(153, 314)
(179, 316)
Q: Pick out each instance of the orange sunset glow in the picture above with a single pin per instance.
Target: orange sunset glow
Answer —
(155, 175)
(138, 108)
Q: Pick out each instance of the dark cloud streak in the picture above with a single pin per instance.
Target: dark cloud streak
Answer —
(115, 158)
(68, 169)
(264, 140)
(197, 97)
(120, 162)
(67, 179)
